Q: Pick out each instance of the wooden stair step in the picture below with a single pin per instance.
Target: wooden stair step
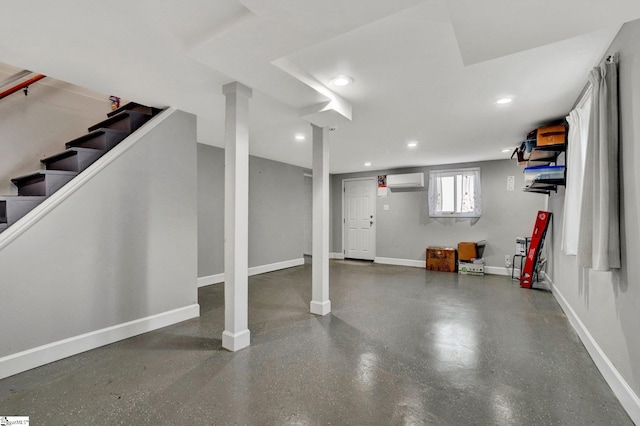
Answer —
(101, 139)
(13, 208)
(74, 159)
(42, 182)
(134, 106)
(129, 121)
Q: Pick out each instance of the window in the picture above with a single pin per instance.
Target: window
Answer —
(455, 193)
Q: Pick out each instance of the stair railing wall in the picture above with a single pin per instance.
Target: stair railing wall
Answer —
(34, 126)
(110, 255)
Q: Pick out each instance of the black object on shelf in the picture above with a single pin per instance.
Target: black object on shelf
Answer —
(545, 155)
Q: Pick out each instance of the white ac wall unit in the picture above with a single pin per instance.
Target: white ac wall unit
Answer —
(406, 180)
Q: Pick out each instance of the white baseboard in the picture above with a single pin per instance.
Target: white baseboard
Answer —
(497, 270)
(627, 397)
(493, 270)
(210, 279)
(256, 270)
(400, 262)
(263, 269)
(336, 255)
(41, 355)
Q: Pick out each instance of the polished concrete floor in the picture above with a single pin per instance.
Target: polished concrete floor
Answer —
(402, 346)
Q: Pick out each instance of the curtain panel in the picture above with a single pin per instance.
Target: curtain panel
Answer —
(599, 235)
(578, 121)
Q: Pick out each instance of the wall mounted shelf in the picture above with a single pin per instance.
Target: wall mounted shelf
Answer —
(545, 155)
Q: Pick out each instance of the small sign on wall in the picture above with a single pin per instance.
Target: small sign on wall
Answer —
(511, 183)
(382, 186)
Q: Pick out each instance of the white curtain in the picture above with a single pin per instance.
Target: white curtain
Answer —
(599, 237)
(472, 190)
(578, 121)
(435, 194)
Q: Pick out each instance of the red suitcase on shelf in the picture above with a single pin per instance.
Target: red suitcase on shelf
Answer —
(533, 255)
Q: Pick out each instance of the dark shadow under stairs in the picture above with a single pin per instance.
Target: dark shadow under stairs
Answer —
(58, 169)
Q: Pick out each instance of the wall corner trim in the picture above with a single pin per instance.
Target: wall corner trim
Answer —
(621, 389)
(255, 270)
(41, 355)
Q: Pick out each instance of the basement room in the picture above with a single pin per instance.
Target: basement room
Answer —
(298, 213)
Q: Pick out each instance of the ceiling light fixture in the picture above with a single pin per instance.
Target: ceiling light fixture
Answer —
(412, 144)
(367, 164)
(504, 101)
(300, 137)
(506, 150)
(341, 80)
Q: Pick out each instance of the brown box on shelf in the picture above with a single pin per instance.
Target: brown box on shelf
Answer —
(443, 259)
(551, 135)
(467, 251)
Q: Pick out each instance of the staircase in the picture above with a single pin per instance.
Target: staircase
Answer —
(56, 170)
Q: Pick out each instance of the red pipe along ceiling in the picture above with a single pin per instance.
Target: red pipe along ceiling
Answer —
(21, 85)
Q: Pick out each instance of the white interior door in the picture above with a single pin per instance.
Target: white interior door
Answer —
(359, 218)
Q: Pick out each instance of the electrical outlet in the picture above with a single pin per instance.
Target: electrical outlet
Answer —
(507, 260)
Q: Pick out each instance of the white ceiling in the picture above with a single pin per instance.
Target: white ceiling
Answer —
(428, 71)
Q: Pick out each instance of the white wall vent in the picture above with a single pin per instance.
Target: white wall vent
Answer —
(406, 180)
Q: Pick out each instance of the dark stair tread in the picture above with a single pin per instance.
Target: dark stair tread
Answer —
(43, 182)
(40, 173)
(134, 119)
(134, 106)
(22, 197)
(95, 134)
(13, 207)
(71, 151)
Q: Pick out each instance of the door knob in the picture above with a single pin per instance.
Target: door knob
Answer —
(370, 223)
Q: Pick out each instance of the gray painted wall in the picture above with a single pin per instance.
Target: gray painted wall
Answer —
(120, 248)
(276, 211)
(405, 230)
(608, 303)
(36, 126)
(210, 210)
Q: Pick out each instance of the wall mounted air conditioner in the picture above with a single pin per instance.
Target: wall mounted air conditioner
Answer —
(406, 180)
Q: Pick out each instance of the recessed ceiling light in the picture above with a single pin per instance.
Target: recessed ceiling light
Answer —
(412, 144)
(341, 80)
(300, 137)
(503, 101)
(506, 150)
(368, 163)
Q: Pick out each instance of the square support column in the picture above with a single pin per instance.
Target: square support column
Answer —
(320, 303)
(236, 217)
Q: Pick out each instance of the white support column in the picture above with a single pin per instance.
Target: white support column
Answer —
(320, 303)
(236, 217)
